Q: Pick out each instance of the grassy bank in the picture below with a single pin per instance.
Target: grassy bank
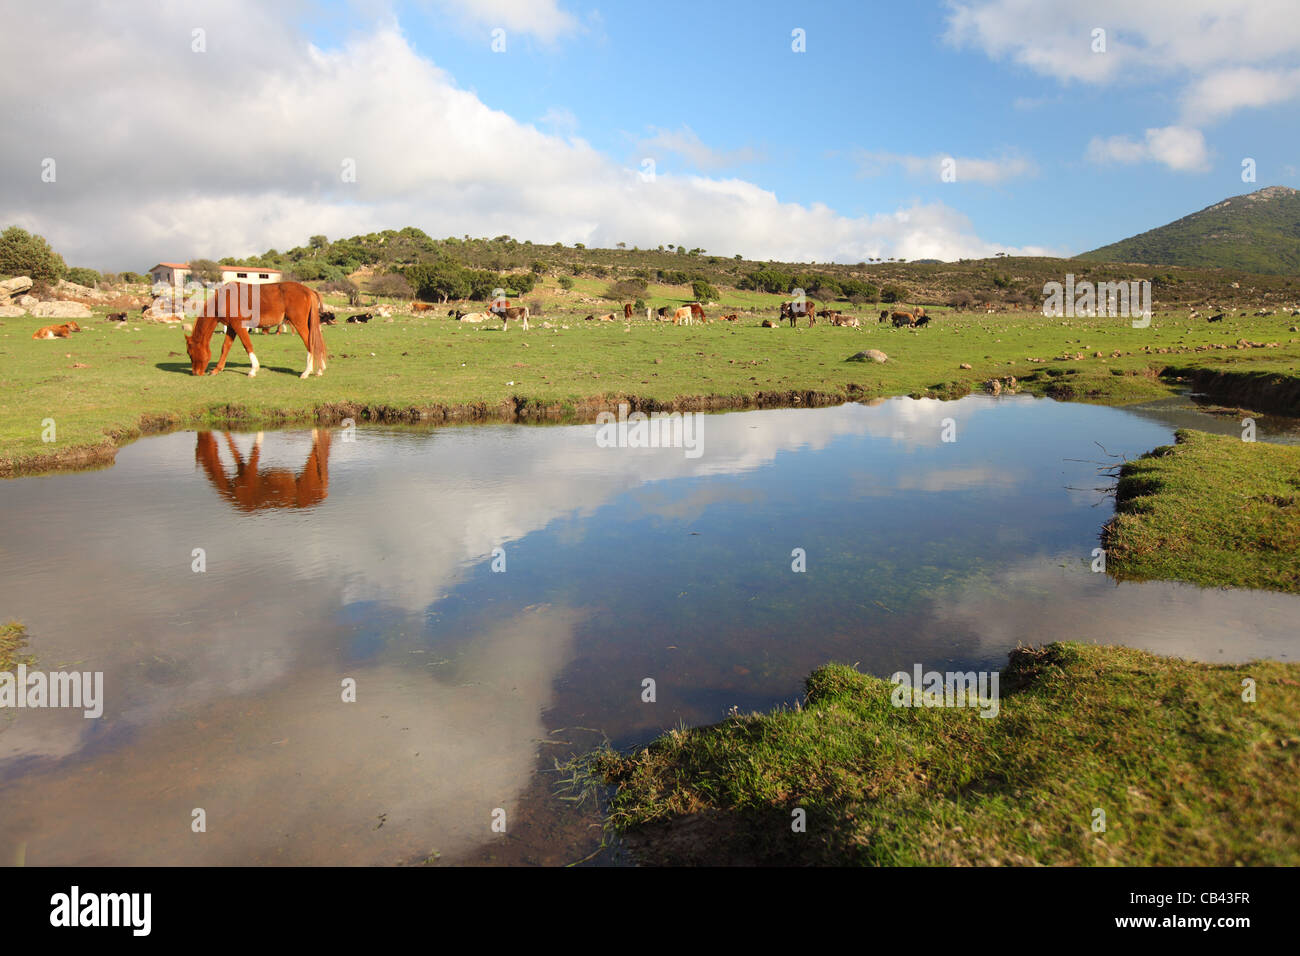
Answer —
(1213, 510)
(1185, 771)
(13, 640)
(111, 383)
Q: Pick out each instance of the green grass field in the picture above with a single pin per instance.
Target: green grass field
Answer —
(111, 383)
(1185, 771)
(1213, 510)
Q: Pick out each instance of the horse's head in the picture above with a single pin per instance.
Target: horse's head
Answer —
(199, 348)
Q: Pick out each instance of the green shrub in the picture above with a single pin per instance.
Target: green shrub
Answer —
(82, 276)
(25, 254)
(703, 292)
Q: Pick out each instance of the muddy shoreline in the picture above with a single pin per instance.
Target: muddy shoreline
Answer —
(1266, 392)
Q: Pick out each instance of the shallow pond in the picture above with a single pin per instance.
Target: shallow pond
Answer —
(368, 556)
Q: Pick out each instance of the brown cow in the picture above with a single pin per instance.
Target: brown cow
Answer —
(507, 312)
(731, 318)
(627, 310)
(769, 324)
(116, 316)
(792, 310)
(421, 307)
(57, 331)
(697, 311)
(902, 318)
(847, 321)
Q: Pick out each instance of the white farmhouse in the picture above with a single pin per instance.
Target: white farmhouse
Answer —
(171, 274)
(255, 275)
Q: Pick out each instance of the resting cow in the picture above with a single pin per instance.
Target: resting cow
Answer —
(116, 317)
(57, 331)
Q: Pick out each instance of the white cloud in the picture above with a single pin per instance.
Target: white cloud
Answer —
(1188, 41)
(965, 169)
(163, 153)
(686, 143)
(1180, 148)
(541, 18)
(1223, 92)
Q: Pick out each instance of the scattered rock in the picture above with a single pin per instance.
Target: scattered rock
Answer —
(870, 355)
(15, 286)
(61, 310)
(11, 311)
(994, 386)
(965, 364)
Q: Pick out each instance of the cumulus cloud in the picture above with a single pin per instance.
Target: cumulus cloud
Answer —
(171, 153)
(1180, 148)
(963, 169)
(540, 18)
(686, 143)
(1223, 92)
(1192, 42)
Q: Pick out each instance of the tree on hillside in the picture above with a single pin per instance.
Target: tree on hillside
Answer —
(82, 276)
(318, 242)
(205, 270)
(393, 285)
(703, 292)
(25, 254)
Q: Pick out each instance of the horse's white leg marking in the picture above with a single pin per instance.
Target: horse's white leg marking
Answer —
(253, 371)
(309, 363)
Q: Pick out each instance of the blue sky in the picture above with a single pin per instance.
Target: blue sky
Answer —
(833, 152)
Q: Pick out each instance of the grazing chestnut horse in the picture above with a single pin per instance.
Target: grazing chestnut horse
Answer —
(253, 489)
(241, 306)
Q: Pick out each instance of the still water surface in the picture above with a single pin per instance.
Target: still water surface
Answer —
(371, 559)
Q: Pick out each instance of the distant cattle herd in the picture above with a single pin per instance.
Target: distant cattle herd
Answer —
(301, 308)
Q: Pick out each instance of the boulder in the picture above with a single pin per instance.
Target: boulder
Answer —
(26, 301)
(11, 311)
(61, 310)
(870, 355)
(15, 286)
(73, 290)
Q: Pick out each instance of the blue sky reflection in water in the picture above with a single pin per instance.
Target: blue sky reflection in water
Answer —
(223, 688)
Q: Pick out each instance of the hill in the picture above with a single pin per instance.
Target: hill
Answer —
(1258, 232)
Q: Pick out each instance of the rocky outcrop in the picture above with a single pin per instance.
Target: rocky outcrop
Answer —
(61, 310)
(14, 287)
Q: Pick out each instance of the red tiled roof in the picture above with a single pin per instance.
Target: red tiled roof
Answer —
(248, 269)
(172, 265)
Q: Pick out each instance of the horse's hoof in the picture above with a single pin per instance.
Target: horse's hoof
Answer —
(305, 375)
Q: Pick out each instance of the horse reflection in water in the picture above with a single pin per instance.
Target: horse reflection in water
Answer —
(251, 488)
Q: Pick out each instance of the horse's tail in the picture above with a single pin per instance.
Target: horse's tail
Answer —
(315, 339)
